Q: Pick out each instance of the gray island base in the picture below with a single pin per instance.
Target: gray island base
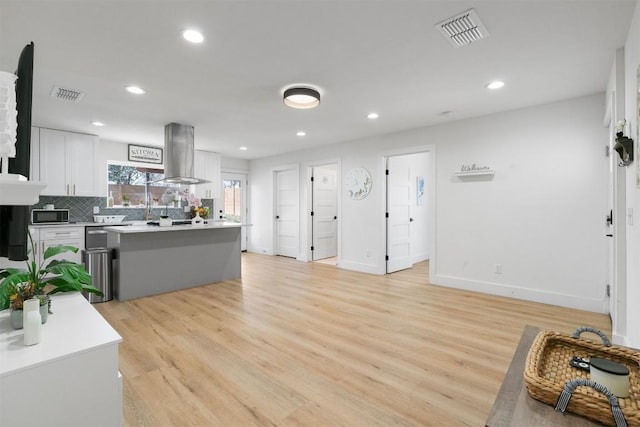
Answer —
(151, 260)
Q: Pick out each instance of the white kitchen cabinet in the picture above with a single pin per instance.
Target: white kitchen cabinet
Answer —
(53, 236)
(70, 378)
(67, 163)
(206, 165)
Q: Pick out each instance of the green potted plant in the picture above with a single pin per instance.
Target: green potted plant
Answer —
(125, 200)
(39, 281)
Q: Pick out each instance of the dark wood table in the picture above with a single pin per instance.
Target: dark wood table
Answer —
(513, 405)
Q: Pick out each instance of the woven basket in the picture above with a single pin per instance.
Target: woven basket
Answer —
(547, 370)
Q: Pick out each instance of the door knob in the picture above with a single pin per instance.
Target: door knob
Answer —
(410, 219)
(277, 216)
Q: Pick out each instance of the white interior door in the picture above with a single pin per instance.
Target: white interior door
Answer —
(287, 211)
(234, 202)
(325, 212)
(398, 214)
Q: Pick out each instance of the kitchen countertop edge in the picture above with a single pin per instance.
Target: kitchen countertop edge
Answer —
(154, 228)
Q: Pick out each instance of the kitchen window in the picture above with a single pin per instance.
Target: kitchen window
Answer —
(131, 185)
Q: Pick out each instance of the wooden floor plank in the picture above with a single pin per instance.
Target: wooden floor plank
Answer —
(308, 344)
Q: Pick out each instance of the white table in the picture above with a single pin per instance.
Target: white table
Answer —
(70, 378)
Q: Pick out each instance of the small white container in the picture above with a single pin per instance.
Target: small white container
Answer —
(614, 376)
(32, 321)
(197, 221)
(49, 207)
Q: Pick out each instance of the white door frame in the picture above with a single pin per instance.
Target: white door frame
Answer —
(243, 177)
(615, 110)
(431, 199)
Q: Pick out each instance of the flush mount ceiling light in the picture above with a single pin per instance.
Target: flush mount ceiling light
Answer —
(135, 89)
(495, 85)
(96, 123)
(193, 36)
(373, 116)
(301, 97)
(243, 148)
(301, 133)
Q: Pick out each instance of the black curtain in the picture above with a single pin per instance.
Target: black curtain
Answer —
(14, 220)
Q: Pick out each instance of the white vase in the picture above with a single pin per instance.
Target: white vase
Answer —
(166, 222)
(197, 221)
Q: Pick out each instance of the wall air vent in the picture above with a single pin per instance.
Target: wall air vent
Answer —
(67, 94)
(463, 29)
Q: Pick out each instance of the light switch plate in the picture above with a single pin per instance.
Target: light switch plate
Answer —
(96, 209)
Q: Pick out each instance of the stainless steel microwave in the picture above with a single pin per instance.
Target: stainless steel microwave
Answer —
(49, 216)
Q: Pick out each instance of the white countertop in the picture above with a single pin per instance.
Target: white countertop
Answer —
(155, 228)
(74, 327)
(81, 224)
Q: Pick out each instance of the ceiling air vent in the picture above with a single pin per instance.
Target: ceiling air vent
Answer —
(67, 94)
(463, 29)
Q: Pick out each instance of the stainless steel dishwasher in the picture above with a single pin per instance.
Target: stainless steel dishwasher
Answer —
(95, 236)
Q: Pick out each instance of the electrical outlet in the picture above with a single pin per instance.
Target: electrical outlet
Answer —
(368, 254)
(96, 209)
(498, 269)
(187, 209)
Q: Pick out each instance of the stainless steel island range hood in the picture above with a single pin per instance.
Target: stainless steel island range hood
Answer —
(179, 154)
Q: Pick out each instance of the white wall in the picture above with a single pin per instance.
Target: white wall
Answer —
(632, 106)
(228, 164)
(540, 217)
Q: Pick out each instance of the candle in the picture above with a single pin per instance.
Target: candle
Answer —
(32, 322)
(614, 376)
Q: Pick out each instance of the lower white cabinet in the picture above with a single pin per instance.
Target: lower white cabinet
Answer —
(53, 236)
(70, 378)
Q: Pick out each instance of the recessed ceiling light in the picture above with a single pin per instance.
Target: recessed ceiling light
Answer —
(193, 36)
(97, 123)
(372, 116)
(495, 85)
(135, 89)
(301, 97)
(243, 148)
(301, 133)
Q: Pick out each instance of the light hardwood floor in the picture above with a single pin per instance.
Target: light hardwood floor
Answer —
(295, 343)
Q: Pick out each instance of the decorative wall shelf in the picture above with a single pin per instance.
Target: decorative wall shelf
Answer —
(474, 173)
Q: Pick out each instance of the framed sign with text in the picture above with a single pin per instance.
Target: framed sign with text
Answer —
(139, 153)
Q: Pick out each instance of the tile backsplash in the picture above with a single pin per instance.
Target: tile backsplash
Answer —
(81, 208)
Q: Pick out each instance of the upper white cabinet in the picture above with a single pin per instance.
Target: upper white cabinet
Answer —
(206, 165)
(67, 163)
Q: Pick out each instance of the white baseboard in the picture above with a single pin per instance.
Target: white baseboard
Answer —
(419, 257)
(620, 340)
(545, 297)
(357, 266)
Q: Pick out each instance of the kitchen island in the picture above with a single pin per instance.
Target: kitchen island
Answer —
(149, 260)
